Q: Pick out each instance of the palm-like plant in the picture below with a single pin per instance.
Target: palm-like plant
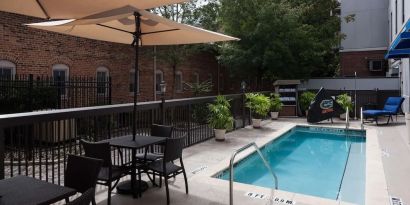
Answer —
(220, 114)
(345, 101)
(259, 104)
(275, 103)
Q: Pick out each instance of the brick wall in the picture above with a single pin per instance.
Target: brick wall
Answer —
(35, 52)
(357, 61)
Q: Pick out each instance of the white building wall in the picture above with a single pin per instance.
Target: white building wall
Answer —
(404, 64)
(368, 30)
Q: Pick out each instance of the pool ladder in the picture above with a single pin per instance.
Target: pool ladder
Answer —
(347, 118)
(231, 163)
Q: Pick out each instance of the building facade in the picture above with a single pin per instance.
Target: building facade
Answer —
(399, 14)
(366, 38)
(25, 50)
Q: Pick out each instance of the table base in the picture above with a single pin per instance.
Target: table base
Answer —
(125, 187)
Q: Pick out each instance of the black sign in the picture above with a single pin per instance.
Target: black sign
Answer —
(323, 107)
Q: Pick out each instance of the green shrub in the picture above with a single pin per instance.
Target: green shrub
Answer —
(345, 101)
(220, 116)
(275, 103)
(305, 99)
(259, 104)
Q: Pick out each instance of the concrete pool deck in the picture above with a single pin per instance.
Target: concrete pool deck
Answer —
(202, 159)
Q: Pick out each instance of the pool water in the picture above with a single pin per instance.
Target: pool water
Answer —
(323, 162)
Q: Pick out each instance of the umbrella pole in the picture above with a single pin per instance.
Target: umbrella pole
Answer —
(137, 36)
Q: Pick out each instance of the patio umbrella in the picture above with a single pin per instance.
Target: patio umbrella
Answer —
(129, 25)
(74, 9)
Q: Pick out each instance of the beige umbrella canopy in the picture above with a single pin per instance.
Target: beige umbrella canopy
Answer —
(119, 25)
(130, 25)
(74, 9)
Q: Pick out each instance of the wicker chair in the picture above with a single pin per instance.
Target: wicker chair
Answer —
(109, 173)
(85, 199)
(165, 167)
(81, 173)
(158, 131)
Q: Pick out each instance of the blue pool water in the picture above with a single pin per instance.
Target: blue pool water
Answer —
(323, 162)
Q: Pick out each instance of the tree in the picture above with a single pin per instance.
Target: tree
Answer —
(279, 38)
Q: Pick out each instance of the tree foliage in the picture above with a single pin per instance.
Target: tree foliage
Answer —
(281, 38)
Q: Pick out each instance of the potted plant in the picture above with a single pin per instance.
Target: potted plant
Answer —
(259, 105)
(220, 117)
(305, 99)
(275, 105)
(345, 101)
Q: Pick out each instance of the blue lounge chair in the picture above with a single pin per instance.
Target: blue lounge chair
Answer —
(391, 107)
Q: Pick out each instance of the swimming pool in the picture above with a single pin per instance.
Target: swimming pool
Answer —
(323, 162)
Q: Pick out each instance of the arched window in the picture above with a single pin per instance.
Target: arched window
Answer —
(134, 85)
(102, 80)
(178, 81)
(195, 78)
(60, 76)
(159, 77)
(7, 70)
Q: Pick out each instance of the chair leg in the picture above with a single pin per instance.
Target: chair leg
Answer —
(93, 201)
(67, 200)
(186, 180)
(160, 180)
(139, 184)
(166, 188)
(109, 193)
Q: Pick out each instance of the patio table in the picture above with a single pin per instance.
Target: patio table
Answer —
(25, 190)
(141, 141)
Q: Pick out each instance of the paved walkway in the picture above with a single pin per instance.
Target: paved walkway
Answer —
(393, 141)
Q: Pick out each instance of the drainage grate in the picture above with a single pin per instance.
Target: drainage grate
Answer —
(396, 201)
(199, 169)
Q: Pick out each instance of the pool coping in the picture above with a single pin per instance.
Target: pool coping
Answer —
(376, 187)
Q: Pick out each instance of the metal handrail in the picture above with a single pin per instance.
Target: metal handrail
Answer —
(231, 163)
(361, 118)
(347, 118)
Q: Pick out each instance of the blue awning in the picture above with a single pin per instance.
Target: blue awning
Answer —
(400, 47)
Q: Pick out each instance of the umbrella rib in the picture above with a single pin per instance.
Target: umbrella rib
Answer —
(115, 28)
(43, 9)
(159, 31)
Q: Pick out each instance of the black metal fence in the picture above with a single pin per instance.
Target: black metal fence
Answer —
(36, 143)
(26, 93)
(372, 99)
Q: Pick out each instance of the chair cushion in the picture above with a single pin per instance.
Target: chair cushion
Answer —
(376, 112)
(150, 156)
(117, 172)
(157, 166)
(393, 104)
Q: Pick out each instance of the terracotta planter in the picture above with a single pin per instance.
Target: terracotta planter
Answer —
(274, 115)
(256, 123)
(220, 134)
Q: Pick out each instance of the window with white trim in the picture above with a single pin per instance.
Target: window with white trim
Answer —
(102, 80)
(377, 65)
(133, 85)
(60, 77)
(7, 69)
(178, 81)
(159, 77)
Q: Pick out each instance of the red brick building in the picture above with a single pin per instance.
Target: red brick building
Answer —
(364, 63)
(25, 50)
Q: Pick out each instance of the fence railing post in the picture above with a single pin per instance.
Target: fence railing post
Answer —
(110, 90)
(163, 109)
(30, 92)
(2, 152)
(189, 123)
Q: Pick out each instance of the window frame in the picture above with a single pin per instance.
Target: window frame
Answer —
(61, 67)
(102, 69)
(195, 78)
(157, 84)
(6, 64)
(179, 88)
